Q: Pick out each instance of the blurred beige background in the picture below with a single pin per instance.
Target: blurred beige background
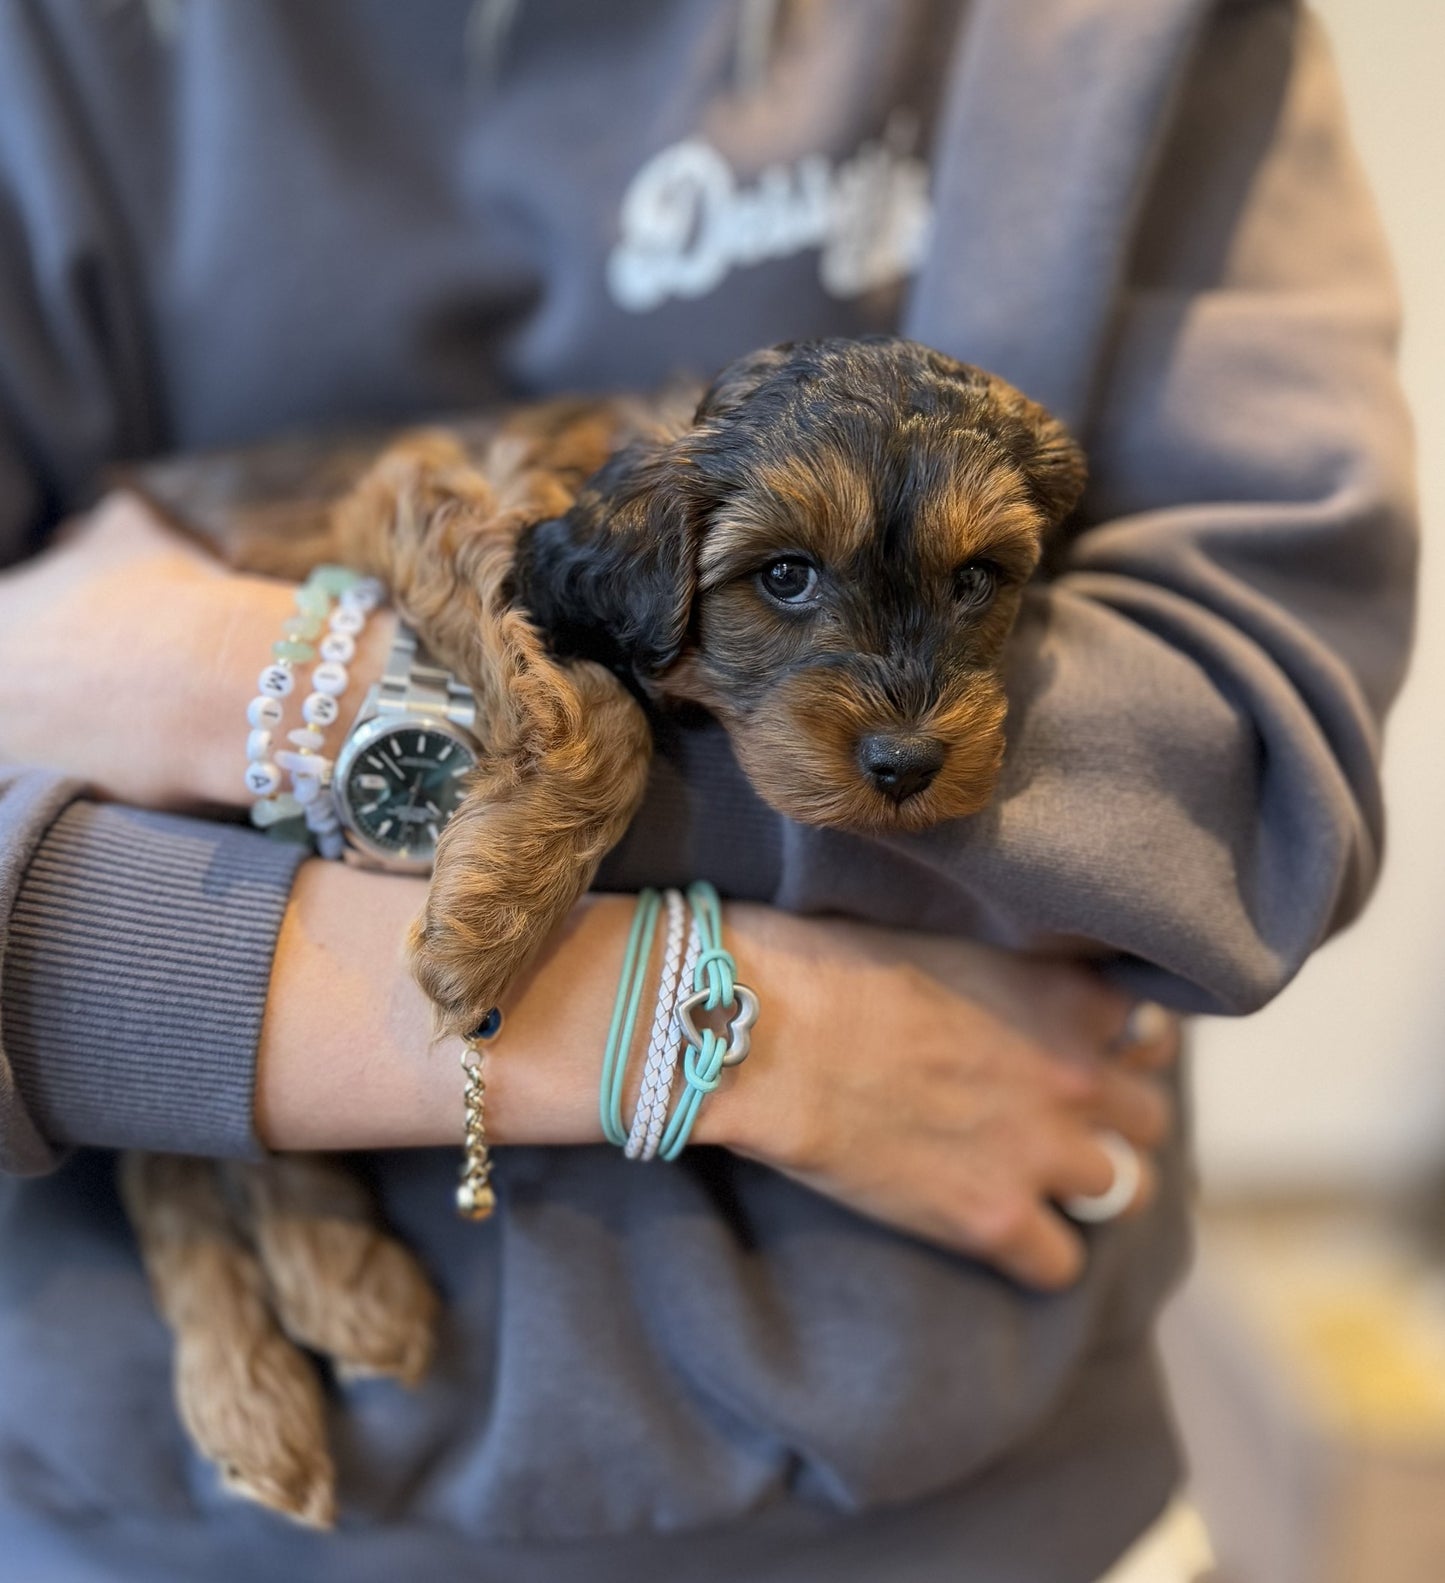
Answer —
(1341, 1083)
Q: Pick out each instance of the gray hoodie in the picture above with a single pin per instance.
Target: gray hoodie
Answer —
(218, 221)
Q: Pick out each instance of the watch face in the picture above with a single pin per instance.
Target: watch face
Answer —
(403, 786)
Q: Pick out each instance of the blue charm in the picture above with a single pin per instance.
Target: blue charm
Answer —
(489, 1027)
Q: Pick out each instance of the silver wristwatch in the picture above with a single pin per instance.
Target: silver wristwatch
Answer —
(403, 768)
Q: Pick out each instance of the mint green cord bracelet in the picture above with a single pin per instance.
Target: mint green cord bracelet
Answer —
(624, 1015)
(708, 1053)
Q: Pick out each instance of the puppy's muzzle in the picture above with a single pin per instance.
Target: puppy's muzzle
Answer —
(900, 765)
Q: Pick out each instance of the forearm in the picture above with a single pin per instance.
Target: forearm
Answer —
(347, 1059)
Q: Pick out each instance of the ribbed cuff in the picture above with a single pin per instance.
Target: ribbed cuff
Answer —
(136, 974)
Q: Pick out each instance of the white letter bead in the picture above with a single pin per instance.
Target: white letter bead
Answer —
(305, 790)
(258, 744)
(321, 709)
(321, 815)
(276, 681)
(264, 712)
(331, 844)
(347, 619)
(364, 596)
(309, 764)
(338, 647)
(262, 778)
(307, 740)
(330, 678)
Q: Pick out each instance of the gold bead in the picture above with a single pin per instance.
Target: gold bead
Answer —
(475, 1200)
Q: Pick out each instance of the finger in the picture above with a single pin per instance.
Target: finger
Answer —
(1029, 1242)
(1136, 1106)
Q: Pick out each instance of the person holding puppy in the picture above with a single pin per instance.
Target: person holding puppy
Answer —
(223, 223)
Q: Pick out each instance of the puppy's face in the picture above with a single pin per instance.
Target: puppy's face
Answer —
(837, 552)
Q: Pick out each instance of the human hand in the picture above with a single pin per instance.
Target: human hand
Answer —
(946, 1088)
(128, 656)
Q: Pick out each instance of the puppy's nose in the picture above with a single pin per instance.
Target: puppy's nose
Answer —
(899, 765)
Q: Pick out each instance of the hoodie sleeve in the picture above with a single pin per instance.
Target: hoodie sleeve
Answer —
(1192, 781)
(135, 957)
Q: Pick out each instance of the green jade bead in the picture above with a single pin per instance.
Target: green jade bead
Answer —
(334, 580)
(305, 627)
(293, 649)
(270, 810)
(313, 601)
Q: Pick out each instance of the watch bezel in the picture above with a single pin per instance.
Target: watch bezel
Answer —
(361, 738)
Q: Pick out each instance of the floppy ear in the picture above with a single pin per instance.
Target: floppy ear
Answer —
(1051, 459)
(613, 579)
(1049, 456)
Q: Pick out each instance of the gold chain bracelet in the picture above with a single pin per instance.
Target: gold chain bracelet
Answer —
(476, 1198)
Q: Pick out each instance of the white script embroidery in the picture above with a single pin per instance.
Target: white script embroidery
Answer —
(686, 222)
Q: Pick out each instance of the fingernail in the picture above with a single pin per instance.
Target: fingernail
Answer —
(1147, 1023)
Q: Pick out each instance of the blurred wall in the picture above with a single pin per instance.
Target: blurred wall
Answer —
(1341, 1083)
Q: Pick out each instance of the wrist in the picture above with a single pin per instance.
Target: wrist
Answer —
(237, 619)
(761, 1108)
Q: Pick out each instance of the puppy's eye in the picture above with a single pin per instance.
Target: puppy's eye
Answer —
(975, 583)
(790, 580)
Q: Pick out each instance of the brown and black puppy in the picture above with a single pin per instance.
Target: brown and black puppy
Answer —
(826, 551)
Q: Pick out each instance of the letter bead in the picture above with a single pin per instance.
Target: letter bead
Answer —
(258, 744)
(264, 713)
(320, 709)
(364, 596)
(262, 778)
(276, 681)
(338, 648)
(330, 678)
(347, 619)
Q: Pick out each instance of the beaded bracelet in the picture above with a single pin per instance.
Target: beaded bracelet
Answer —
(308, 811)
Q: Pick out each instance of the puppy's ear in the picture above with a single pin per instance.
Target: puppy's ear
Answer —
(613, 579)
(1049, 456)
(1052, 460)
(741, 379)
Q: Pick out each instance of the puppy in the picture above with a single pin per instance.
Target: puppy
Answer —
(826, 551)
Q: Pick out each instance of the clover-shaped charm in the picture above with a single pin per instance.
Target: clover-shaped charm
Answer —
(739, 1029)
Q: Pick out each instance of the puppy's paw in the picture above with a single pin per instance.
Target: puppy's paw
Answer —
(251, 1403)
(338, 1282)
(461, 978)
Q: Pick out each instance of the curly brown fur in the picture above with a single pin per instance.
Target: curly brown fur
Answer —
(248, 1398)
(566, 749)
(336, 1282)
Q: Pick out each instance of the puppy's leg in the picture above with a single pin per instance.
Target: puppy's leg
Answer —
(566, 748)
(338, 1283)
(249, 1400)
(538, 818)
